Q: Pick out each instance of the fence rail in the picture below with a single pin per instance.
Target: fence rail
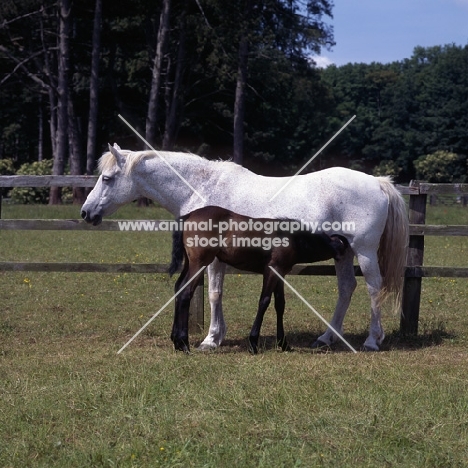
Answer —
(47, 181)
(414, 272)
(298, 270)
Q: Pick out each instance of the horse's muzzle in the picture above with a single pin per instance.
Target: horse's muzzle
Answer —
(95, 220)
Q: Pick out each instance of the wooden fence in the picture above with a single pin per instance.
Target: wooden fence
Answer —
(415, 270)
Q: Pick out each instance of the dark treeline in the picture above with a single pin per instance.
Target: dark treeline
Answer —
(221, 79)
(406, 110)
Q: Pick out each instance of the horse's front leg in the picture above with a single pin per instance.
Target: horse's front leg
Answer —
(346, 286)
(217, 332)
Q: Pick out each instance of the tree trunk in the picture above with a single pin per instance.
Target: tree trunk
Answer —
(51, 85)
(40, 136)
(94, 90)
(239, 104)
(173, 96)
(163, 34)
(63, 92)
(53, 120)
(76, 152)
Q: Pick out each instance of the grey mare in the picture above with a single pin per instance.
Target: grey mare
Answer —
(371, 209)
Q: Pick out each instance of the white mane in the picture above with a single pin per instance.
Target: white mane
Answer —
(107, 161)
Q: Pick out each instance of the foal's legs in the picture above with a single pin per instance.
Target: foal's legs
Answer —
(217, 332)
(279, 307)
(346, 286)
(179, 335)
(271, 284)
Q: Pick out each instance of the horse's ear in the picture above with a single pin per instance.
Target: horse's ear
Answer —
(118, 157)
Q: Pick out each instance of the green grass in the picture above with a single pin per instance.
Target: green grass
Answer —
(68, 400)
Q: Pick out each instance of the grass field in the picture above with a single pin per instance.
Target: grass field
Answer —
(68, 400)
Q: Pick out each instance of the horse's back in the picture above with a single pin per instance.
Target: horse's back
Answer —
(350, 202)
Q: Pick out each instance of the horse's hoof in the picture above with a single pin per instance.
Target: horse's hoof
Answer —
(253, 348)
(253, 345)
(181, 345)
(319, 344)
(206, 347)
(369, 349)
(284, 346)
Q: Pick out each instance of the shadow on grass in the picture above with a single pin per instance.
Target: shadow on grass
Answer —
(302, 341)
(426, 339)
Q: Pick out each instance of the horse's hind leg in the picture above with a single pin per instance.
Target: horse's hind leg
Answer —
(279, 307)
(257, 325)
(269, 285)
(371, 272)
(346, 286)
(217, 330)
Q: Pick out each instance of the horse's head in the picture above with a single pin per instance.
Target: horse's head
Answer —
(114, 188)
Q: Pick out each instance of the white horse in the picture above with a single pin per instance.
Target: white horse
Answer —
(334, 197)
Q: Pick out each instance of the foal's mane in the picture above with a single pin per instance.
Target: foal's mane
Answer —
(107, 161)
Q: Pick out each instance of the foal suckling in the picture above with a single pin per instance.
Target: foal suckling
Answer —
(259, 250)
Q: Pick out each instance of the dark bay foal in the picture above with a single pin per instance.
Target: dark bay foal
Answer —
(212, 231)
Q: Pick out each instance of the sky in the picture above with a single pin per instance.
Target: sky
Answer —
(388, 30)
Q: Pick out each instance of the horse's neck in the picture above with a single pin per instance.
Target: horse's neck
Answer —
(180, 184)
(185, 183)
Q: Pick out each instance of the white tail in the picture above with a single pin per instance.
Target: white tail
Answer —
(393, 245)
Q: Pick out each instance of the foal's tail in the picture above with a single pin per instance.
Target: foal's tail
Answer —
(177, 251)
(393, 245)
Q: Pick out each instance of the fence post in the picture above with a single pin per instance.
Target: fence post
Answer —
(196, 315)
(412, 286)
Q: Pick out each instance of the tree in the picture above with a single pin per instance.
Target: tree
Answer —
(248, 31)
(239, 101)
(161, 47)
(94, 90)
(63, 104)
(174, 88)
(404, 109)
(23, 82)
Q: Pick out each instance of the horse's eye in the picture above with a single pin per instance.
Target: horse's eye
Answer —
(106, 178)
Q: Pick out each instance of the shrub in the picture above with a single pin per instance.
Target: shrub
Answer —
(390, 168)
(7, 167)
(441, 167)
(27, 195)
